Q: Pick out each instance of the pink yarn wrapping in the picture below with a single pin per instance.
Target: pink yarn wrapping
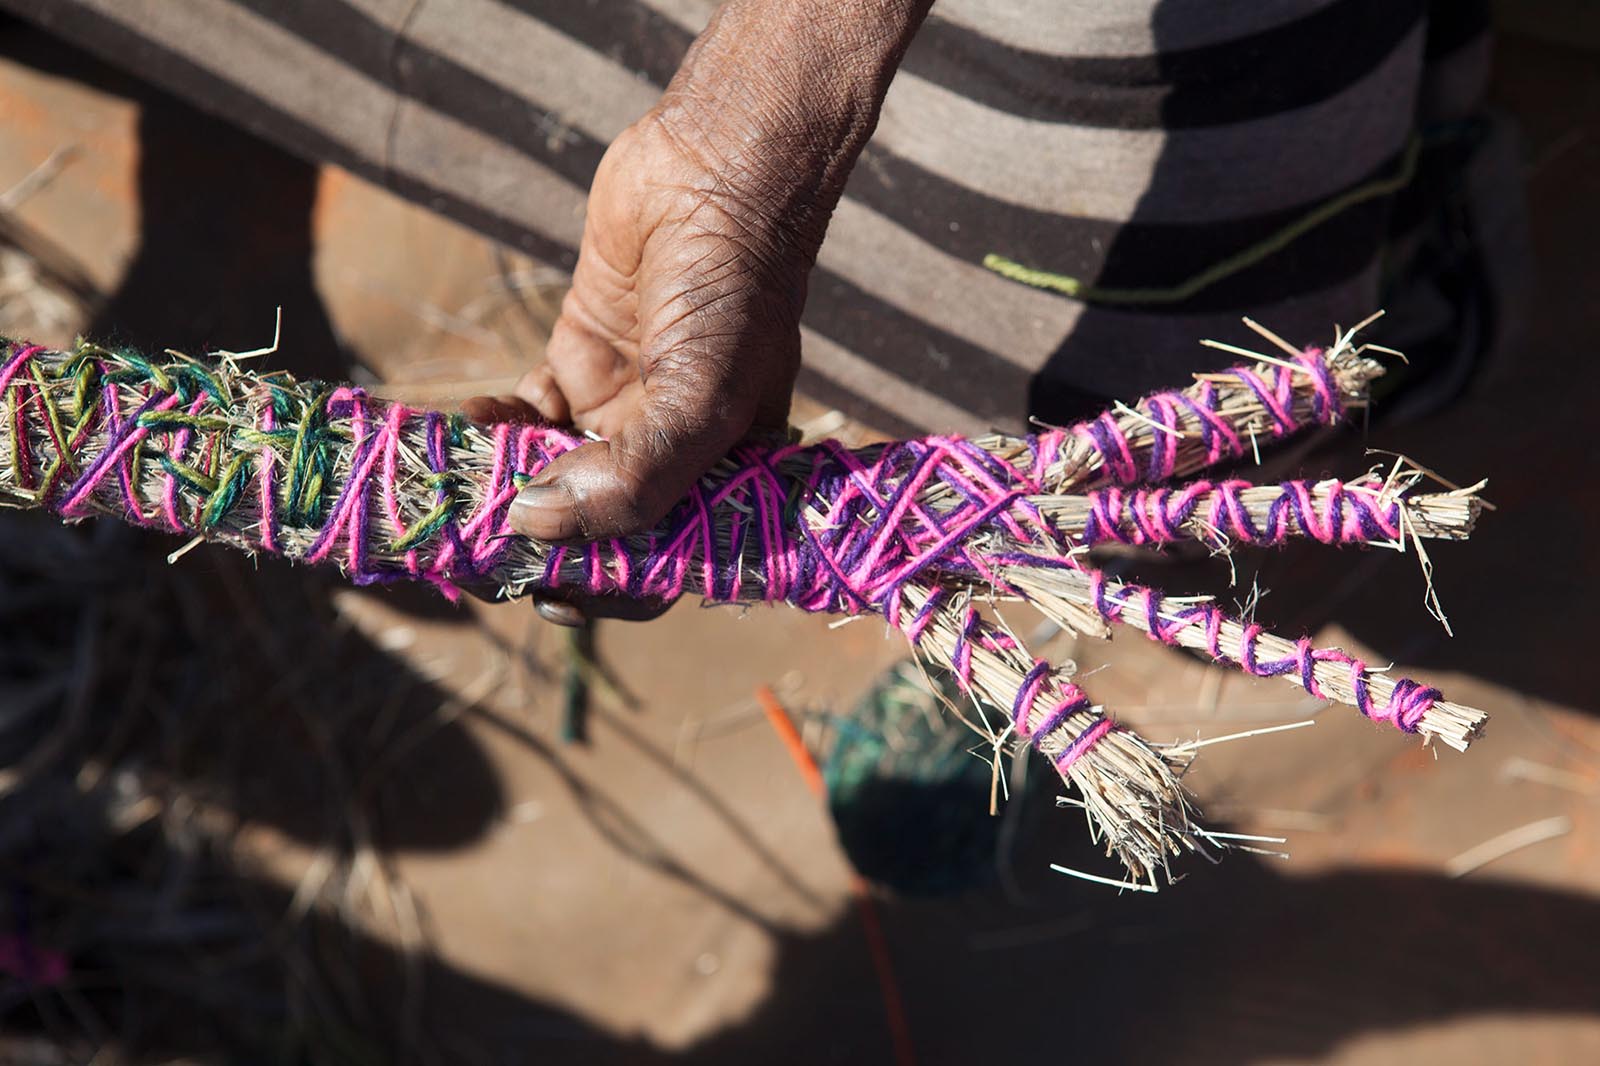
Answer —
(738, 536)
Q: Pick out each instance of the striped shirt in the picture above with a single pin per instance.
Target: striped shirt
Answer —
(1130, 143)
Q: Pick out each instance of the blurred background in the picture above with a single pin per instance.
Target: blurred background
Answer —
(249, 814)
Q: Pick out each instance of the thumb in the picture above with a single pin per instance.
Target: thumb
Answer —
(625, 485)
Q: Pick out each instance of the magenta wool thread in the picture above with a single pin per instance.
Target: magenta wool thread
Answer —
(872, 535)
(1349, 513)
(1404, 709)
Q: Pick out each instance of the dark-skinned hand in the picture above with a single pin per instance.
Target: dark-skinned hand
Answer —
(680, 335)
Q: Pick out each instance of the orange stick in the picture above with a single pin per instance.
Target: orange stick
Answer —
(784, 726)
(877, 944)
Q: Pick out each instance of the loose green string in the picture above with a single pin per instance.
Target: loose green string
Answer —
(1226, 268)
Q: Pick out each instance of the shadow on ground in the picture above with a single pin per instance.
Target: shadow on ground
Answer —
(173, 733)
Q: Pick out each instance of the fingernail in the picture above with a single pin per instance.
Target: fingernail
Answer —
(545, 512)
(562, 614)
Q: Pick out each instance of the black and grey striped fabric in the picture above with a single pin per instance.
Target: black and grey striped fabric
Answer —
(1129, 142)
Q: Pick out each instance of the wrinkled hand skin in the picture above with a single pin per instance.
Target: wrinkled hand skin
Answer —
(680, 335)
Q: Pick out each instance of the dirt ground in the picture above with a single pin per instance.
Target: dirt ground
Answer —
(667, 889)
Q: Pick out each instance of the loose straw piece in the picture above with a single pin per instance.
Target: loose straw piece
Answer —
(1475, 858)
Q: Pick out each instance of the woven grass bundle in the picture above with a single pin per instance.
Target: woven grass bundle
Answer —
(924, 533)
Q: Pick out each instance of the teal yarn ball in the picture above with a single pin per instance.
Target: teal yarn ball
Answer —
(909, 798)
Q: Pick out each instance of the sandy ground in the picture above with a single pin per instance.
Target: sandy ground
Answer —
(669, 890)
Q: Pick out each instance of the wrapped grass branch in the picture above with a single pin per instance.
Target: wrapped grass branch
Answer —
(922, 533)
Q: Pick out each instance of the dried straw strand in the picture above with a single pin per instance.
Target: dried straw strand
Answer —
(916, 531)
